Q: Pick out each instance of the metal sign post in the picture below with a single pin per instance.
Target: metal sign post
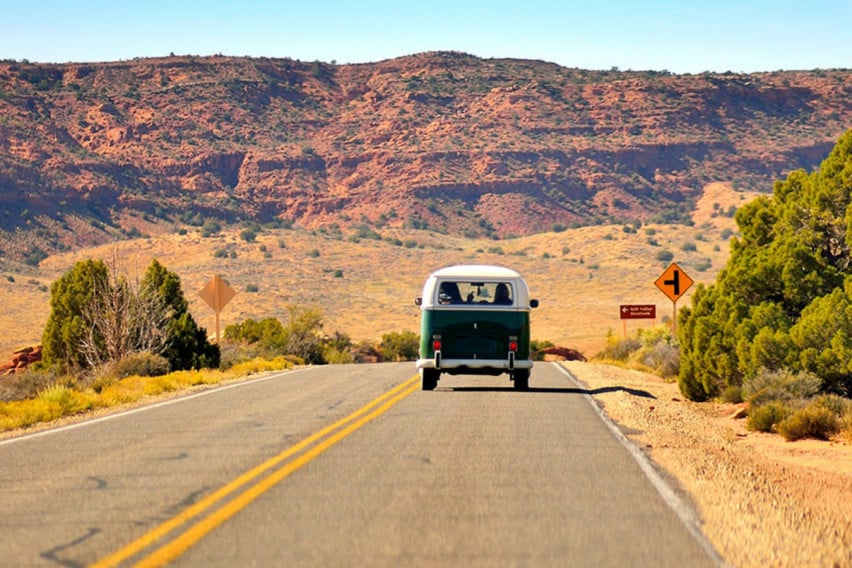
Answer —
(674, 283)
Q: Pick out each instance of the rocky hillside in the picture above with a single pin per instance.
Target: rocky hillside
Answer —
(446, 141)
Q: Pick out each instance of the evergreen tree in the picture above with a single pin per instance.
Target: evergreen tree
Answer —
(99, 316)
(66, 327)
(187, 343)
(783, 300)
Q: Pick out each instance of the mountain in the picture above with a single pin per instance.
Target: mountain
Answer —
(444, 140)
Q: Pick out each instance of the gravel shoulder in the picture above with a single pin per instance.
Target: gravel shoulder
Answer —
(762, 501)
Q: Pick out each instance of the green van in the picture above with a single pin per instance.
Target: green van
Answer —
(475, 320)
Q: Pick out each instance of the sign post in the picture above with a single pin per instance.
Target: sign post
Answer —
(674, 283)
(217, 293)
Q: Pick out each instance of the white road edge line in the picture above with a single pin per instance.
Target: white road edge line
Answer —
(146, 407)
(681, 509)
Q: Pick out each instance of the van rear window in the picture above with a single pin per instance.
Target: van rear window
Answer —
(464, 292)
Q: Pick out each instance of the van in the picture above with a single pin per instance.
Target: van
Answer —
(475, 320)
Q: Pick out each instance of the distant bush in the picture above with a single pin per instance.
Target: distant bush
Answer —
(781, 385)
(665, 256)
(813, 421)
(648, 349)
(142, 364)
(400, 346)
(210, 228)
(765, 418)
(22, 386)
(733, 394)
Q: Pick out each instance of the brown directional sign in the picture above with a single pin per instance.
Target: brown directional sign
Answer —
(674, 282)
(638, 311)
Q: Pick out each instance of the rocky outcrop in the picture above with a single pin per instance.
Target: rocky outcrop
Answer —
(444, 141)
(561, 354)
(21, 359)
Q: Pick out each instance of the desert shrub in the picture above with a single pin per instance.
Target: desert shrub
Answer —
(662, 357)
(781, 385)
(63, 399)
(536, 346)
(813, 421)
(334, 356)
(400, 346)
(269, 337)
(647, 349)
(143, 364)
(765, 418)
(619, 349)
(837, 404)
(733, 394)
(26, 385)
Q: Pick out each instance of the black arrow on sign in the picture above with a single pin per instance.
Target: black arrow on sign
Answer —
(674, 282)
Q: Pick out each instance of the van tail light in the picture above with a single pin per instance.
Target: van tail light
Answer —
(436, 344)
(513, 346)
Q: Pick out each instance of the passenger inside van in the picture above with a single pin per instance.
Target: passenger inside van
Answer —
(501, 295)
(449, 294)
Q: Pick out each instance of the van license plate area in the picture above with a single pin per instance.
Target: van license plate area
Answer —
(473, 347)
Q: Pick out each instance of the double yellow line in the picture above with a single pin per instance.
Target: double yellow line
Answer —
(211, 517)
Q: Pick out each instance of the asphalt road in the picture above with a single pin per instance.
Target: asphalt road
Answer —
(341, 466)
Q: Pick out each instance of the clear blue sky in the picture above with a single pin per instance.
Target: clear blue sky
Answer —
(681, 36)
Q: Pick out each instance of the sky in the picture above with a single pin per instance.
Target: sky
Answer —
(680, 36)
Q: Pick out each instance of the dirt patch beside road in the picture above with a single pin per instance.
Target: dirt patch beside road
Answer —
(763, 501)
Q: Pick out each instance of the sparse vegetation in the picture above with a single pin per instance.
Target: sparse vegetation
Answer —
(647, 349)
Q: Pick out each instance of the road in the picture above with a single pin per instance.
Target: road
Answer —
(343, 465)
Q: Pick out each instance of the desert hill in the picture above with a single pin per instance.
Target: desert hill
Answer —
(365, 283)
(463, 146)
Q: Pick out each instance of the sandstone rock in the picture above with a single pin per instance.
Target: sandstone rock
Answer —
(21, 359)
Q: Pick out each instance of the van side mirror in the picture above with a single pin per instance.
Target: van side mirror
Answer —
(418, 301)
(533, 303)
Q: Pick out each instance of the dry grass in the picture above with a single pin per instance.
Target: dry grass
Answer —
(58, 401)
(366, 289)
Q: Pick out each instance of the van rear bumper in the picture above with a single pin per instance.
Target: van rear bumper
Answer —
(473, 366)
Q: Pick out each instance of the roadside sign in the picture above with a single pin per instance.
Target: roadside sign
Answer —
(217, 293)
(674, 282)
(638, 311)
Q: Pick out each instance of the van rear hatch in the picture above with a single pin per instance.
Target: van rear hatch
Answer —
(477, 334)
